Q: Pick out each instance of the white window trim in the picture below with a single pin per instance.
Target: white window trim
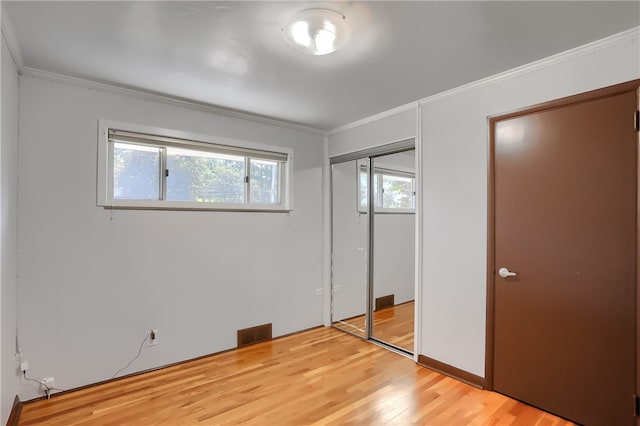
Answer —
(386, 210)
(401, 172)
(105, 164)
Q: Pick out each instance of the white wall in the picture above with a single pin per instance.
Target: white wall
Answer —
(389, 129)
(453, 157)
(8, 218)
(454, 190)
(92, 283)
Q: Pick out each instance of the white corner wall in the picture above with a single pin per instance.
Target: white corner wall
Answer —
(92, 282)
(8, 218)
(454, 188)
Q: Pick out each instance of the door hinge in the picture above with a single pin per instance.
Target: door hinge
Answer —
(166, 172)
(636, 405)
(637, 121)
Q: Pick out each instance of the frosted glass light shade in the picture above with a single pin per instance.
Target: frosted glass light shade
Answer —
(317, 31)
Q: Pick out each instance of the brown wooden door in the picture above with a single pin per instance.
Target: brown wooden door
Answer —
(565, 222)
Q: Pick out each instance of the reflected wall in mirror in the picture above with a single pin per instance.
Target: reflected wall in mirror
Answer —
(394, 249)
(350, 252)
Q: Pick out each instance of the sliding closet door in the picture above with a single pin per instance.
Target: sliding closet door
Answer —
(373, 244)
(350, 252)
(393, 248)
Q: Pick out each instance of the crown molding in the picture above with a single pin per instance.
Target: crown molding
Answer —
(372, 118)
(613, 40)
(10, 38)
(606, 42)
(165, 99)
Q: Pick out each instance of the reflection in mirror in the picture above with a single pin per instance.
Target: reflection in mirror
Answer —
(394, 249)
(349, 248)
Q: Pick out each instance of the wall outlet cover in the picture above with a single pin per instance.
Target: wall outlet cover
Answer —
(48, 383)
(152, 338)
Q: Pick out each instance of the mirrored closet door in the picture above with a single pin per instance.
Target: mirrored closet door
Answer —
(350, 253)
(393, 249)
(373, 245)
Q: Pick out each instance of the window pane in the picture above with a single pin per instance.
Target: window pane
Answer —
(397, 192)
(364, 183)
(204, 177)
(364, 195)
(264, 181)
(136, 172)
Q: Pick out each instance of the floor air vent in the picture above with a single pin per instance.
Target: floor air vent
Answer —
(385, 302)
(251, 335)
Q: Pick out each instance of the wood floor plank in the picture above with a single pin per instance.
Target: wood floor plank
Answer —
(320, 377)
(392, 325)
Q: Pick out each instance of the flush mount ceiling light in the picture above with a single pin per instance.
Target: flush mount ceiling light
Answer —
(317, 31)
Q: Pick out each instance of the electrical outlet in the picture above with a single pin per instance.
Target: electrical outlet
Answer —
(152, 338)
(319, 291)
(48, 383)
(24, 366)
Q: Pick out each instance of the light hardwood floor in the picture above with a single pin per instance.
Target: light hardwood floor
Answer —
(322, 376)
(395, 325)
(392, 325)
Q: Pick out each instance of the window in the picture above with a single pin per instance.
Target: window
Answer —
(393, 190)
(154, 168)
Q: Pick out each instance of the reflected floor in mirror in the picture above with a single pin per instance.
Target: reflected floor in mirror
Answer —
(353, 325)
(393, 325)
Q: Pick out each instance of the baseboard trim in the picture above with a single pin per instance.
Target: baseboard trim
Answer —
(162, 367)
(16, 411)
(451, 371)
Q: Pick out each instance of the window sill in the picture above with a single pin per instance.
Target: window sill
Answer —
(391, 211)
(182, 206)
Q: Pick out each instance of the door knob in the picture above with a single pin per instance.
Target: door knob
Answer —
(505, 273)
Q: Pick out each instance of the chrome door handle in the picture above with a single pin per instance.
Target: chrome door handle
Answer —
(505, 273)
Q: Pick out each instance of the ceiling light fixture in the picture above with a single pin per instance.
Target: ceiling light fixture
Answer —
(317, 31)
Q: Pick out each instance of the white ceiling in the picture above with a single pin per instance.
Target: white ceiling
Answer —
(233, 55)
